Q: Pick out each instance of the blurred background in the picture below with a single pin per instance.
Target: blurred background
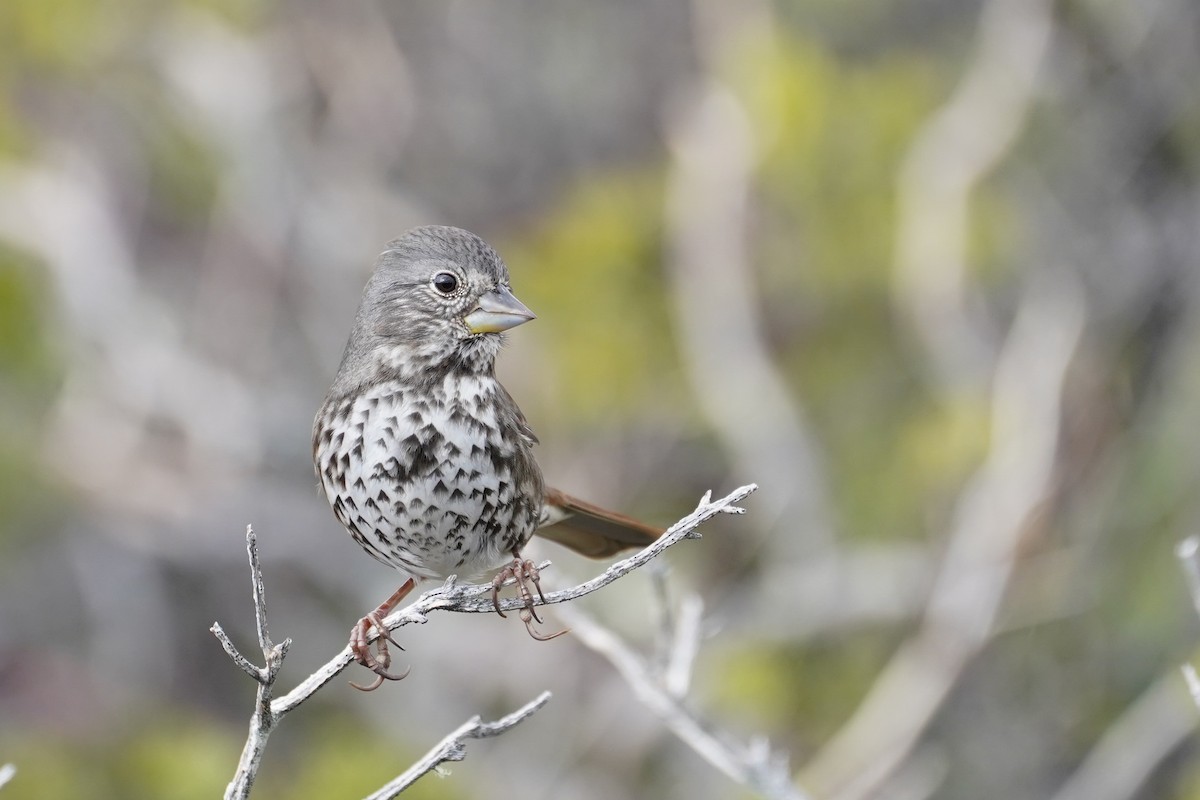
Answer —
(924, 271)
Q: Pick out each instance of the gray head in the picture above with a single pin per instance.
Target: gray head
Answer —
(438, 300)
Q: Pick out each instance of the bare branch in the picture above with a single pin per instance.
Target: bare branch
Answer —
(263, 720)
(751, 764)
(246, 664)
(449, 597)
(453, 747)
(476, 598)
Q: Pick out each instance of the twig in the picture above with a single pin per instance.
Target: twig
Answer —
(449, 597)
(750, 764)
(263, 720)
(476, 599)
(453, 747)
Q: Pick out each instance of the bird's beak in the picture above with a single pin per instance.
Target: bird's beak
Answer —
(497, 311)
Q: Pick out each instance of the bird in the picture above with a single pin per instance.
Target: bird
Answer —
(423, 455)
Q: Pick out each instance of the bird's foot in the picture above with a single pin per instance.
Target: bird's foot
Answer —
(360, 643)
(525, 573)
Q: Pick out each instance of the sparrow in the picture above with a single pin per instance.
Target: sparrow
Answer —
(423, 455)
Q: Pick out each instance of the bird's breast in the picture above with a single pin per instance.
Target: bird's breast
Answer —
(428, 480)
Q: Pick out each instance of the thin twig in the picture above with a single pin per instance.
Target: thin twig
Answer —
(263, 720)
(453, 747)
(750, 764)
(246, 664)
(476, 598)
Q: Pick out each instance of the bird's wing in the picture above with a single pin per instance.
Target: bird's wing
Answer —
(519, 416)
(589, 529)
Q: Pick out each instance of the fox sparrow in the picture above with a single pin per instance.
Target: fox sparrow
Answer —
(423, 455)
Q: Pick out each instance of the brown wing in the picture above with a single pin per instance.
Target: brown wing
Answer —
(589, 529)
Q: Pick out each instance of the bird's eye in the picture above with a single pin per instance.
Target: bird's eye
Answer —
(445, 282)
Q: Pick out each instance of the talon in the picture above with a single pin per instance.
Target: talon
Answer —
(497, 582)
(375, 684)
(360, 644)
(541, 637)
(381, 674)
(384, 633)
(525, 573)
(535, 577)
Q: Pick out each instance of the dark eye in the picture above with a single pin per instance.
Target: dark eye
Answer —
(445, 282)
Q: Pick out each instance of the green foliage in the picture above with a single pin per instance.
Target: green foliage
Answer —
(593, 273)
(27, 376)
(25, 354)
(166, 758)
(178, 761)
(176, 758)
(62, 34)
(346, 759)
(801, 692)
(832, 135)
(79, 35)
(183, 169)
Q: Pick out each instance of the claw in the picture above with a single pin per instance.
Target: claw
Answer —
(375, 684)
(381, 674)
(497, 582)
(524, 573)
(360, 644)
(527, 616)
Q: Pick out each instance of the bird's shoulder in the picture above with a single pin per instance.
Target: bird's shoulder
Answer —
(516, 417)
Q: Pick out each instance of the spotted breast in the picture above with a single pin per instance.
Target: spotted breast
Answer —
(435, 481)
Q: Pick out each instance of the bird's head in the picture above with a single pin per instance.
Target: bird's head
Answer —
(438, 299)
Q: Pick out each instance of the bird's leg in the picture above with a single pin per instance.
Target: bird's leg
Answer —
(360, 643)
(524, 572)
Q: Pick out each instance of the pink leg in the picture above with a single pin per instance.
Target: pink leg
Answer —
(360, 643)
